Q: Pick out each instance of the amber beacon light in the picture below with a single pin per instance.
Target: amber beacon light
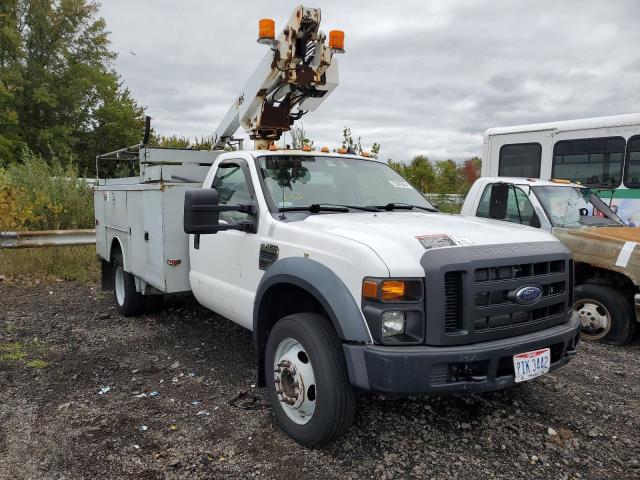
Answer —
(336, 40)
(266, 30)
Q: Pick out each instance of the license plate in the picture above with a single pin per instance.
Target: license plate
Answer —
(530, 365)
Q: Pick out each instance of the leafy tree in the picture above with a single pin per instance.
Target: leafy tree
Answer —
(448, 177)
(299, 138)
(59, 94)
(471, 170)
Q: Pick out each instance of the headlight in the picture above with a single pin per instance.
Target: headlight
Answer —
(394, 309)
(392, 323)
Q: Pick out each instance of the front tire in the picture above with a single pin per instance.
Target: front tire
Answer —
(130, 302)
(307, 380)
(605, 314)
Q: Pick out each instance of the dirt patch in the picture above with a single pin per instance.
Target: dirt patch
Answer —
(168, 381)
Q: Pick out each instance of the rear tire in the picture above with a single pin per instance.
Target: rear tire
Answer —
(308, 353)
(130, 302)
(606, 315)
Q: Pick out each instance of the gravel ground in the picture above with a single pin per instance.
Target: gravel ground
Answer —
(61, 343)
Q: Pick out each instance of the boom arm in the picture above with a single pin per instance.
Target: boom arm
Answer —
(298, 72)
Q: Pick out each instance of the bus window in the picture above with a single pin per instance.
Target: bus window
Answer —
(632, 168)
(591, 161)
(520, 160)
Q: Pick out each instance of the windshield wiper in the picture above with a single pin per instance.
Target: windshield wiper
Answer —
(403, 206)
(327, 207)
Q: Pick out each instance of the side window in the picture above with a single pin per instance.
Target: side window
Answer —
(632, 168)
(591, 161)
(519, 208)
(520, 160)
(233, 189)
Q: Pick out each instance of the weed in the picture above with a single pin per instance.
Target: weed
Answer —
(38, 364)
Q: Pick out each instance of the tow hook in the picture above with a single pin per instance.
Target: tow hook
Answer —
(288, 383)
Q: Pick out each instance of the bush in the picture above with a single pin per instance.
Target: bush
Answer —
(36, 195)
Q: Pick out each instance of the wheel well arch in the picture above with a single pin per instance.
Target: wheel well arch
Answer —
(297, 285)
(116, 246)
(587, 273)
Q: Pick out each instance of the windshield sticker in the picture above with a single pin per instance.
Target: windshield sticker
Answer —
(400, 184)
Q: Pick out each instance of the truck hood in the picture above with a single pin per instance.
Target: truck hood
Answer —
(609, 248)
(400, 239)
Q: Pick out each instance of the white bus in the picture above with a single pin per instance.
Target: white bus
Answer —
(602, 153)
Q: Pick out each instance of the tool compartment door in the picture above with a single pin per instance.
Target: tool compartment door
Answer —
(152, 236)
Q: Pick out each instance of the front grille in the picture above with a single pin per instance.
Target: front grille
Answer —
(471, 292)
(452, 301)
(494, 306)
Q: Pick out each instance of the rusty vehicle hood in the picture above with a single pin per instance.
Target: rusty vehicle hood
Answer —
(602, 247)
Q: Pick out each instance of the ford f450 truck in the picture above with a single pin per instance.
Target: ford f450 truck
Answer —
(349, 279)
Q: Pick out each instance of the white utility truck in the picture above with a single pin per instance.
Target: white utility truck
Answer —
(347, 276)
(607, 262)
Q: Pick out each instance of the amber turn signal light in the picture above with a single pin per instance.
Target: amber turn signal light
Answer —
(370, 289)
(392, 290)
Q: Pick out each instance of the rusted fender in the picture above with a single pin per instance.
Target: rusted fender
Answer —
(603, 247)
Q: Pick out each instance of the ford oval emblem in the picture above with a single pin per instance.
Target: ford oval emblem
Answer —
(528, 294)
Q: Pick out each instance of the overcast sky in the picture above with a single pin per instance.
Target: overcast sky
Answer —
(418, 77)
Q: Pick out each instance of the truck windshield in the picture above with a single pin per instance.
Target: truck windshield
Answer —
(575, 207)
(305, 180)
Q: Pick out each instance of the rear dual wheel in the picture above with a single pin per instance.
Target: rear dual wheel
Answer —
(307, 380)
(131, 302)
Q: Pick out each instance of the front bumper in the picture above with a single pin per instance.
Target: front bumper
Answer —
(458, 369)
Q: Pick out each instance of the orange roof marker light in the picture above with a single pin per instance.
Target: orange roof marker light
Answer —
(559, 180)
(342, 150)
(366, 154)
(273, 147)
(306, 148)
(324, 149)
(336, 40)
(266, 31)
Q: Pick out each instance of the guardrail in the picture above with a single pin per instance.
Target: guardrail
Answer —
(47, 238)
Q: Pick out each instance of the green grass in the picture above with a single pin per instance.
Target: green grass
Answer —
(12, 352)
(69, 263)
(37, 364)
(18, 353)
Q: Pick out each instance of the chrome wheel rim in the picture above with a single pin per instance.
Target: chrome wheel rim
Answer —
(119, 285)
(594, 318)
(294, 381)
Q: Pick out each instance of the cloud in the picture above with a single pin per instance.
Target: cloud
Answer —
(417, 77)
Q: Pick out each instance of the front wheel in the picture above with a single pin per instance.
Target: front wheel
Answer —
(307, 381)
(605, 314)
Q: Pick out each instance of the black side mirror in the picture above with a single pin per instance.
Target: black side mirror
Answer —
(498, 201)
(202, 213)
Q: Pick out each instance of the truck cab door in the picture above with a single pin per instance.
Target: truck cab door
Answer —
(511, 203)
(224, 265)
